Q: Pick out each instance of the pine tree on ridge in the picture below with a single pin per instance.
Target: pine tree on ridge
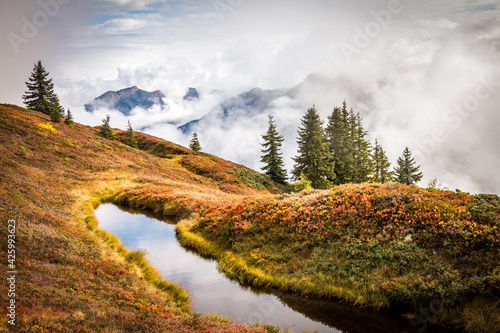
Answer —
(69, 118)
(132, 141)
(40, 95)
(194, 144)
(272, 156)
(313, 159)
(381, 165)
(406, 172)
(106, 130)
(348, 146)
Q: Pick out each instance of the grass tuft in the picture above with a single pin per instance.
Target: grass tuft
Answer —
(48, 127)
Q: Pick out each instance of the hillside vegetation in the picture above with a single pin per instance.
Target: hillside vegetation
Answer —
(431, 254)
(371, 245)
(72, 276)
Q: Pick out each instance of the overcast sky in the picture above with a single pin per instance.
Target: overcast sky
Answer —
(424, 74)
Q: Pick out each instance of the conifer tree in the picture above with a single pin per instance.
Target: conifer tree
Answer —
(69, 118)
(55, 115)
(381, 165)
(194, 144)
(40, 95)
(272, 156)
(313, 159)
(362, 161)
(348, 146)
(336, 137)
(106, 130)
(132, 141)
(406, 172)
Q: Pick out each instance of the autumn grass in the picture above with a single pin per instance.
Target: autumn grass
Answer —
(369, 245)
(237, 268)
(137, 257)
(74, 277)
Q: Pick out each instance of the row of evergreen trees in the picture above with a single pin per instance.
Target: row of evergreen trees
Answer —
(336, 154)
(339, 153)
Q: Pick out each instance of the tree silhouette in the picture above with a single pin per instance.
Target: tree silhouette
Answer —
(106, 130)
(406, 172)
(40, 95)
(313, 159)
(272, 156)
(194, 144)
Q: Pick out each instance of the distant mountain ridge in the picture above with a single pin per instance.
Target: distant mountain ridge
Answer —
(250, 102)
(258, 101)
(126, 100)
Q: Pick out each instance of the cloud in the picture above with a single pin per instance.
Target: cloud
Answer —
(131, 5)
(131, 25)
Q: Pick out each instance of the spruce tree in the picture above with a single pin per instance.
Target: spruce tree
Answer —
(313, 159)
(57, 111)
(406, 172)
(69, 118)
(361, 153)
(132, 141)
(348, 146)
(106, 130)
(336, 136)
(381, 165)
(55, 114)
(40, 95)
(194, 144)
(272, 156)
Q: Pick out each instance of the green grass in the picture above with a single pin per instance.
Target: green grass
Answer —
(23, 152)
(103, 145)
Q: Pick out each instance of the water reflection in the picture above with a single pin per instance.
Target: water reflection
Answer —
(212, 292)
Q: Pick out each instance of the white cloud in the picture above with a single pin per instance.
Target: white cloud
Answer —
(132, 25)
(134, 5)
(439, 24)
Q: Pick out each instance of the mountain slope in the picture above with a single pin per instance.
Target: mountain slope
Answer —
(70, 276)
(244, 107)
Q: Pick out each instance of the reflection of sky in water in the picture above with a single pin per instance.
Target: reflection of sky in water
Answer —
(210, 290)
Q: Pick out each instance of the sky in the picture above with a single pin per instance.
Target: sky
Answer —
(423, 74)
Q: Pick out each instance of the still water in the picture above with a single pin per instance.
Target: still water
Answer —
(212, 292)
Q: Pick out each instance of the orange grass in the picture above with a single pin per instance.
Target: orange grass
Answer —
(69, 278)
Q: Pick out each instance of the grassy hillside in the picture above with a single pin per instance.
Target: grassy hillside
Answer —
(73, 277)
(391, 246)
(428, 253)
